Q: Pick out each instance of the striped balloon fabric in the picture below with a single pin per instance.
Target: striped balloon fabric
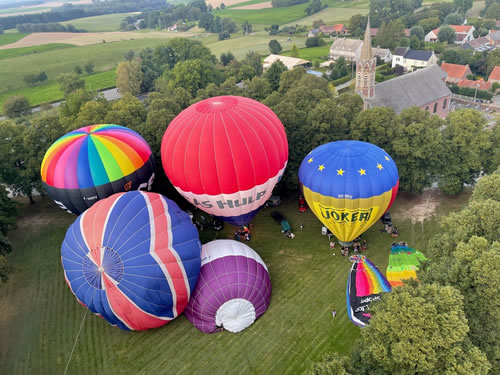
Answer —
(133, 259)
(225, 155)
(364, 285)
(234, 288)
(403, 264)
(94, 162)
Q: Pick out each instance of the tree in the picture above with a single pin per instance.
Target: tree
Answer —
(318, 23)
(92, 112)
(462, 6)
(453, 19)
(290, 78)
(129, 77)
(128, 111)
(357, 25)
(465, 142)
(253, 59)
(339, 69)
(89, 67)
(245, 72)
(414, 42)
(377, 125)
(493, 60)
(328, 123)
(429, 24)
(226, 58)
(42, 76)
(257, 88)
(352, 103)
(192, 75)
(295, 51)
(418, 329)
(389, 35)
(71, 107)
(246, 27)
(313, 7)
(446, 34)
(331, 364)
(417, 31)
(273, 74)
(78, 69)
(493, 11)
(8, 214)
(69, 82)
(16, 106)
(224, 35)
(129, 55)
(315, 41)
(416, 149)
(30, 79)
(275, 47)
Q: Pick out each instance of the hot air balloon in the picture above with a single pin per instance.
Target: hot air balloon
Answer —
(348, 185)
(364, 285)
(234, 288)
(94, 162)
(403, 264)
(133, 259)
(225, 155)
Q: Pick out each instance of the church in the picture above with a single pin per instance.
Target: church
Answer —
(424, 88)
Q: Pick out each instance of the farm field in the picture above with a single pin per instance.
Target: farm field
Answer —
(332, 15)
(107, 22)
(23, 51)
(41, 318)
(22, 10)
(9, 38)
(49, 92)
(265, 16)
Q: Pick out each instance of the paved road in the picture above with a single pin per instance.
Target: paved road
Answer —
(110, 95)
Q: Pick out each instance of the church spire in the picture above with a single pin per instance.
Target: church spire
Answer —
(366, 50)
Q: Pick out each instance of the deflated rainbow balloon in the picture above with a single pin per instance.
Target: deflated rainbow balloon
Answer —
(403, 264)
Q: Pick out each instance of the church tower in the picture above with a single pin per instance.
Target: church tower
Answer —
(366, 67)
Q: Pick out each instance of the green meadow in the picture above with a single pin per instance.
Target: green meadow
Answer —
(23, 51)
(107, 22)
(41, 318)
(9, 38)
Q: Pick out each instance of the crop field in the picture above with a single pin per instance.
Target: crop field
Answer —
(23, 51)
(41, 318)
(9, 38)
(107, 22)
(332, 15)
(49, 92)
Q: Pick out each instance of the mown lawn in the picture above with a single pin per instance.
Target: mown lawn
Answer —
(267, 16)
(40, 317)
(49, 91)
(8, 38)
(313, 53)
(23, 51)
(107, 22)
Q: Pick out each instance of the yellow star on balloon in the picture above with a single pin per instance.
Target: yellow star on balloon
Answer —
(379, 166)
(321, 167)
(340, 172)
(362, 172)
(387, 158)
(310, 160)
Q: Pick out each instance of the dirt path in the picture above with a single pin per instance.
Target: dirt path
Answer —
(423, 206)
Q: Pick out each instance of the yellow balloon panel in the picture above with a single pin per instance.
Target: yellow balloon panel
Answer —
(347, 218)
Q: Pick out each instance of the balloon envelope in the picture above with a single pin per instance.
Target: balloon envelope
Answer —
(403, 264)
(133, 259)
(94, 162)
(348, 185)
(364, 285)
(225, 155)
(234, 288)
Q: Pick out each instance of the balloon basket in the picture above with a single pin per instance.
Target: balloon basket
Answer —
(348, 244)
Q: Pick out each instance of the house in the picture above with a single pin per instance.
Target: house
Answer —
(313, 33)
(455, 72)
(479, 45)
(172, 28)
(339, 29)
(463, 33)
(289, 62)
(411, 59)
(347, 48)
(383, 54)
(327, 30)
(480, 84)
(425, 88)
(494, 75)
(494, 38)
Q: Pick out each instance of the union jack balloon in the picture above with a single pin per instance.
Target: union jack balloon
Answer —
(133, 259)
(225, 155)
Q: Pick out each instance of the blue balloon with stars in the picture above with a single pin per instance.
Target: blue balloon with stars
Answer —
(349, 185)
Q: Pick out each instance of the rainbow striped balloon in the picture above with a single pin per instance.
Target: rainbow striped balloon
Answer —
(403, 264)
(94, 162)
(364, 285)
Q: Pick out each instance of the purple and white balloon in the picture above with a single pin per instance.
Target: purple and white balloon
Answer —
(233, 290)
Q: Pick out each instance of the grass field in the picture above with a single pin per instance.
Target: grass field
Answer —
(15, 52)
(41, 318)
(107, 22)
(266, 16)
(10, 38)
(313, 53)
(20, 10)
(477, 7)
(49, 92)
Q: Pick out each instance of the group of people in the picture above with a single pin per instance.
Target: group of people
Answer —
(357, 246)
(242, 233)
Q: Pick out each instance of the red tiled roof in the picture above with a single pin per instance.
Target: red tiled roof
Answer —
(455, 70)
(338, 27)
(481, 84)
(457, 28)
(373, 31)
(327, 29)
(495, 74)
(407, 33)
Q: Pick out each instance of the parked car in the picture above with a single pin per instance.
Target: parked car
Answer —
(302, 204)
(274, 200)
